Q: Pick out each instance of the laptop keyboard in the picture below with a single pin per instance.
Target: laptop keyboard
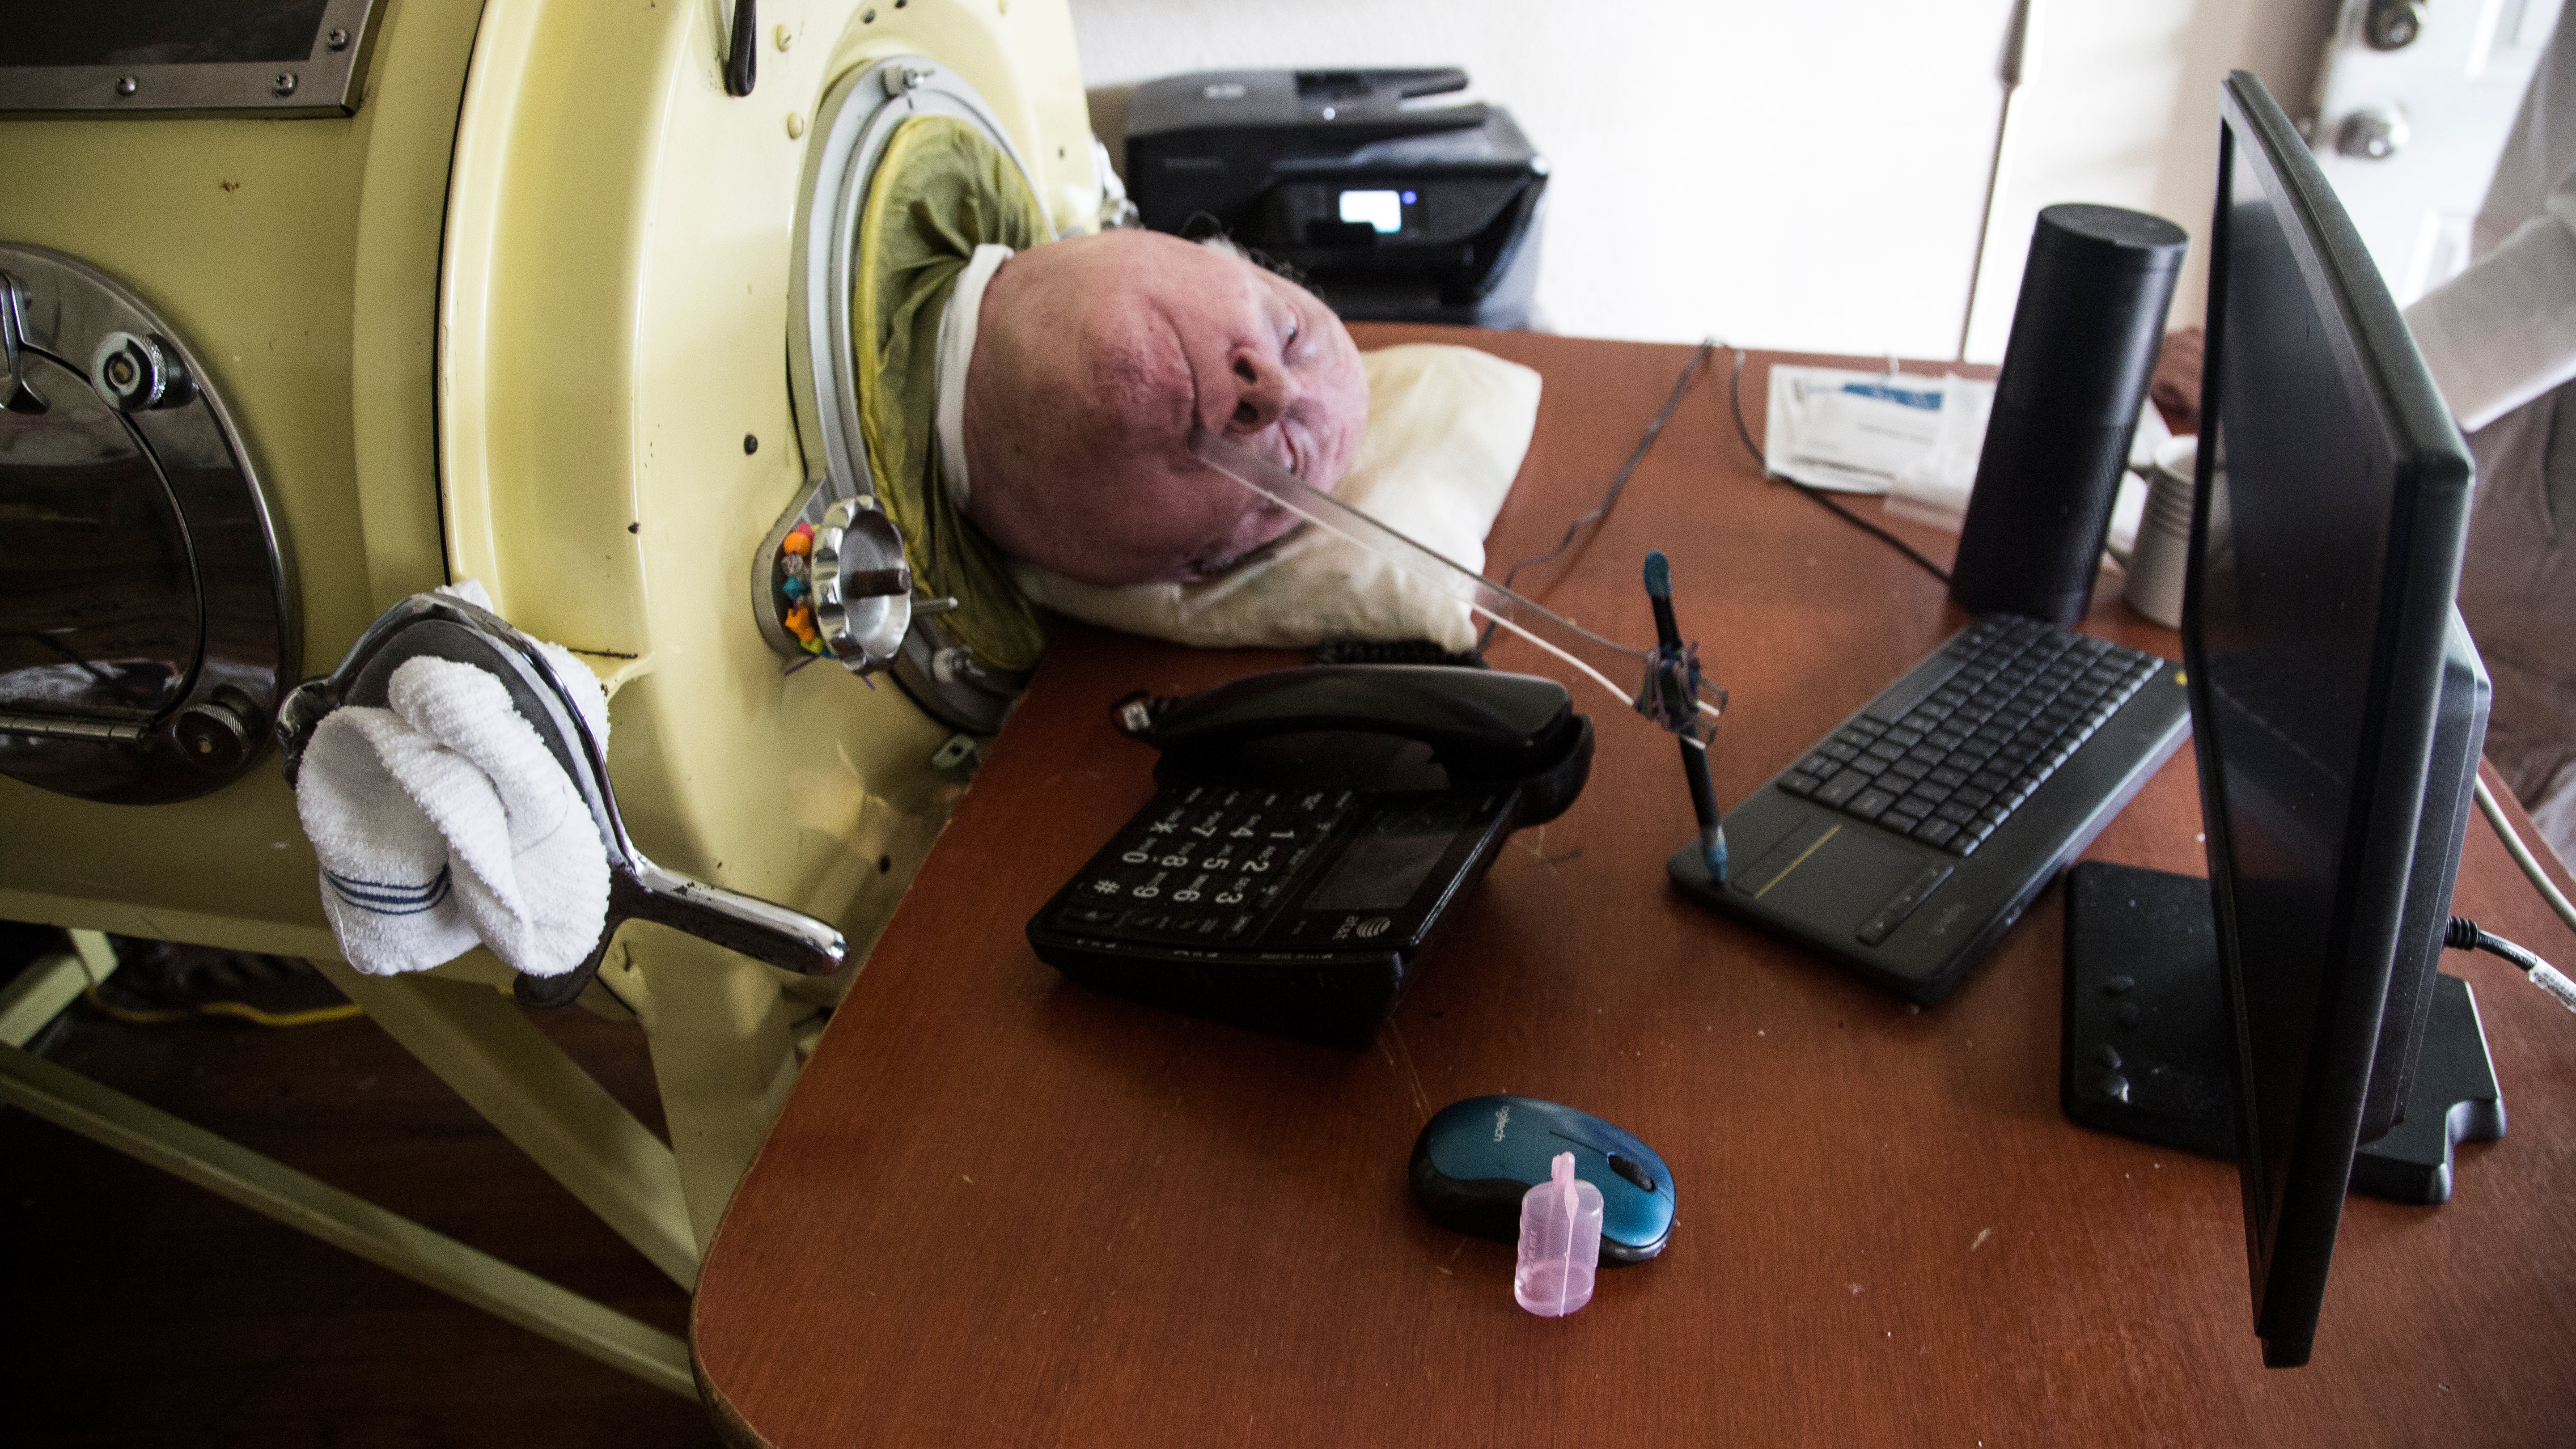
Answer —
(1949, 759)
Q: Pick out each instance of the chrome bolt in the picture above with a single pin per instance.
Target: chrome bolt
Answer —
(127, 85)
(337, 40)
(284, 85)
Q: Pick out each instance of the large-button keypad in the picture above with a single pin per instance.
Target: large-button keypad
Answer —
(1203, 864)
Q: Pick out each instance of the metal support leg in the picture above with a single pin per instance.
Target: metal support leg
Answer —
(72, 1101)
(482, 1044)
(722, 1037)
(50, 983)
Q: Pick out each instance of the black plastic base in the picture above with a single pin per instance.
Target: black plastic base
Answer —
(2147, 1051)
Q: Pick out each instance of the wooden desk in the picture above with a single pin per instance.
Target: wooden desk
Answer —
(1001, 1209)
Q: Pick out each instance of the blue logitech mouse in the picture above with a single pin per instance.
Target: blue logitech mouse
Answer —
(1475, 1160)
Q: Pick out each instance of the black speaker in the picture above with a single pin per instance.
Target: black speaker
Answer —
(2084, 339)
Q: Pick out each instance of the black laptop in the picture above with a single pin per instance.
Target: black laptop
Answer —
(1906, 841)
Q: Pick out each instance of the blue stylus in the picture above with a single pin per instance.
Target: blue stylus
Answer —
(1668, 632)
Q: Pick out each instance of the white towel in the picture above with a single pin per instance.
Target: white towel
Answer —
(443, 820)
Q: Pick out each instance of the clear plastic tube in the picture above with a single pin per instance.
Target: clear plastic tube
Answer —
(1560, 1242)
(1595, 656)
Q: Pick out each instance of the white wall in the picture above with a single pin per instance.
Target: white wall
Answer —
(1804, 175)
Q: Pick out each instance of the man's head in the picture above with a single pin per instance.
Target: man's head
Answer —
(1092, 357)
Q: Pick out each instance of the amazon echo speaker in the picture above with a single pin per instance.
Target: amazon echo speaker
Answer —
(2084, 340)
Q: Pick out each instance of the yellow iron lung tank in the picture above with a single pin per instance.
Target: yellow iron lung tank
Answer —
(512, 304)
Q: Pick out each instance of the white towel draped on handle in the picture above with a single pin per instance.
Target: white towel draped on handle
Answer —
(442, 820)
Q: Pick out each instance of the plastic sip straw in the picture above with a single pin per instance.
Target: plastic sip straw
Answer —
(1560, 1242)
(1564, 638)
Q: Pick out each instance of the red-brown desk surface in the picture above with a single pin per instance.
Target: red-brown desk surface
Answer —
(1000, 1209)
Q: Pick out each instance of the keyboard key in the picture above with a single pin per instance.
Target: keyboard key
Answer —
(1955, 813)
(1972, 797)
(1836, 750)
(1909, 770)
(1839, 790)
(1822, 765)
(1905, 735)
(1869, 803)
(1948, 775)
(1935, 832)
(1870, 765)
(1798, 784)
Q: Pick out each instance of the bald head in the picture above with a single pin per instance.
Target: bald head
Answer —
(1093, 356)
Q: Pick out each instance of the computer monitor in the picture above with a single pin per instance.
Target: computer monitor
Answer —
(2338, 710)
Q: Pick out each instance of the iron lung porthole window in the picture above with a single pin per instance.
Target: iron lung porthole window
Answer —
(145, 617)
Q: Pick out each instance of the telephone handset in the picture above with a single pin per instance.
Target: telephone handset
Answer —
(1311, 832)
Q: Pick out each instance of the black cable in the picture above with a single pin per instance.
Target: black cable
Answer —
(2465, 935)
(1645, 445)
(1735, 401)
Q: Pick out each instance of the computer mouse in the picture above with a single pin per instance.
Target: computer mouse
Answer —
(1476, 1159)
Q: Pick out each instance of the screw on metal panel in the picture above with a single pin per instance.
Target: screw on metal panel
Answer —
(284, 85)
(795, 125)
(750, 443)
(127, 85)
(337, 40)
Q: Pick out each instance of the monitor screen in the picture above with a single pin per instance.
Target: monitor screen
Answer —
(2326, 543)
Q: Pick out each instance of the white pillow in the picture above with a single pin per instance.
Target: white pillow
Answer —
(1447, 428)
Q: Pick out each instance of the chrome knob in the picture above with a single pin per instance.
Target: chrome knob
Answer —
(861, 585)
(2374, 134)
(2392, 24)
(217, 733)
(136, 373)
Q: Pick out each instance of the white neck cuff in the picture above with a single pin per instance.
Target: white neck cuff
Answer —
(956, 350)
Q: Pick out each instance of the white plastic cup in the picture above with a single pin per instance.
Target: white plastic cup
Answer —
(2162, 555)
(1560, 1242)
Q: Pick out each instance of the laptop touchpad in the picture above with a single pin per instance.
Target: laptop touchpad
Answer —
(1837, 877)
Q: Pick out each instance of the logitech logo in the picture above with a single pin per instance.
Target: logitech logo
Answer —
(1948, 919)
(1501, 1117)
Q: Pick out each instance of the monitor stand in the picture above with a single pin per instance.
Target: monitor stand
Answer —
(2148, 1050)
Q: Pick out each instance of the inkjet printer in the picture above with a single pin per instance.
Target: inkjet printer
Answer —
(1396, 211)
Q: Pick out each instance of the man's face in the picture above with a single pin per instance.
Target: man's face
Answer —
(1093, 357)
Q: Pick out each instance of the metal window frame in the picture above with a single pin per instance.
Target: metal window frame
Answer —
(326, 83)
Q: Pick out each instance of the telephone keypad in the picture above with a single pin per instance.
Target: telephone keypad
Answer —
(1208, 865)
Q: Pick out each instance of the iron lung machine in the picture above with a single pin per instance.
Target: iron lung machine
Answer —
(331, 302)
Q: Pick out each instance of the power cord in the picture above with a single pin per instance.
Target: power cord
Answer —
(1619, 484)
(1735, 402)
(2464, 935)
(2522, 855)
